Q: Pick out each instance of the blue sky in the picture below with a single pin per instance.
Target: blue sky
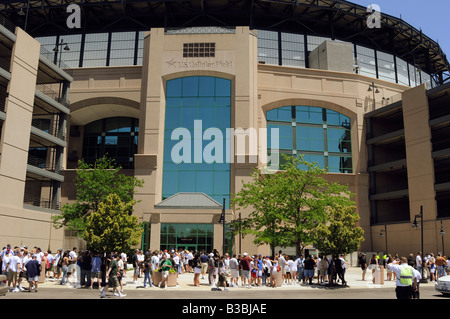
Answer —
(431, 16)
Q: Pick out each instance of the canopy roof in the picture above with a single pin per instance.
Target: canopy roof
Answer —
(189, 201)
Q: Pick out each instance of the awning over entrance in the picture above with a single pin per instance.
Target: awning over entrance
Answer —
(189, 201)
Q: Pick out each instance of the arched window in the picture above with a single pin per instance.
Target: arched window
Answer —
(321, 135)
(115, 137)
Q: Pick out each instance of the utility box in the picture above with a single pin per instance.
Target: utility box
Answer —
(332, 56)
(379, 275)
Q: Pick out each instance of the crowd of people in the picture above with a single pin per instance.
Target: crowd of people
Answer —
(107, 270)
(434, 266)
(225, 271)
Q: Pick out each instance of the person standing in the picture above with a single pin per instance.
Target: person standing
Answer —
(13, 267)
(406, 284)
(373, 264)
(309, 269)
(147, 271)
(234, 270)
(135, 260)
(300, 268)
(440, 263)
(419, 264)
(222, 275)
(275, 269)
(165, 266)
(246, 270)
(96, 270)
(73, 257)
(363, 265)
(197, 269)
(65, 263)
(33, 273)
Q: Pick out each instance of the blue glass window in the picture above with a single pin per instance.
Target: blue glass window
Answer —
(320, 135)
(190, 99)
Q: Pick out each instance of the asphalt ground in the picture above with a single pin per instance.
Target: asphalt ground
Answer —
(356, 288)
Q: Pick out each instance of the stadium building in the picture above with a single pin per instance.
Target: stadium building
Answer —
(362, 93)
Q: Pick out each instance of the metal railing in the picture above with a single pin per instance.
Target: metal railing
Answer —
(49, 126)
(52, 94)
(41, 202)
(55, 59)
(5, 64)
(41, 163)
(7, 24)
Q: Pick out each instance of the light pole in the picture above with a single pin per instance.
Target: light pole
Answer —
(56, 50)
(374, 89)
(383, 233)
(222, 220)
(415, 225)
(240, 232)
(442, 233)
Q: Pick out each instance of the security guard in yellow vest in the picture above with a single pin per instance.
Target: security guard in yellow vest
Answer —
(406, 279)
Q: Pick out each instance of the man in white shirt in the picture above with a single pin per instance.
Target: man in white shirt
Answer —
(234, 270)
(406, 284)
(13, 267)
(419, 262)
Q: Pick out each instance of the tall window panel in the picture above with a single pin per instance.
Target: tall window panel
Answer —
(322, 136)
(402, 72)
(122, 48)
(268, 47)
(414, 75)
(314, 42)
(426, 79)
(366, 58)
(48, 43)
(293, 50)
(189, 99)
(386, 66)
(140, 51)
(95, 50)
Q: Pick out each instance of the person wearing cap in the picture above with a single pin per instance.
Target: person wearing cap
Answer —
(245, 263)
(406, 284)
(33, 273)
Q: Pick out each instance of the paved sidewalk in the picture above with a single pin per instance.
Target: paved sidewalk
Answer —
(185, 281)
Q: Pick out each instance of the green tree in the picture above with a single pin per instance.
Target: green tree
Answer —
(94, 182)
(111, 227)
(339, 235)
(287, 206)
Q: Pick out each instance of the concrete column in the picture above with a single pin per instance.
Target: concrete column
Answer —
(420, 164)
(19, 111)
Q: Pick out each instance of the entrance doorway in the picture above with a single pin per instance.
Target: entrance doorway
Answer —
(193, 237)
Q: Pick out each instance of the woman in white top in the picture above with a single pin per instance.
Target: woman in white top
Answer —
(274, 271)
